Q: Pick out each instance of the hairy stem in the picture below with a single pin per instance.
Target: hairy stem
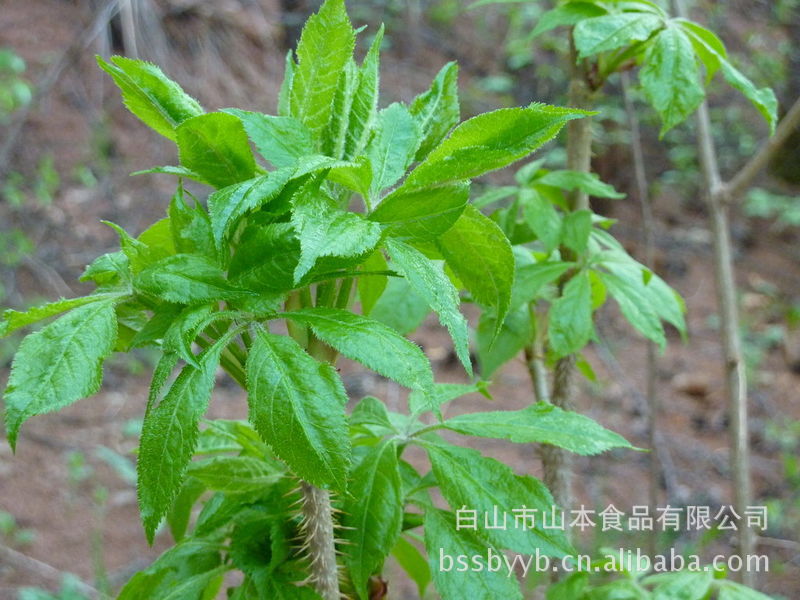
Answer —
(319, 538)
(318, 519)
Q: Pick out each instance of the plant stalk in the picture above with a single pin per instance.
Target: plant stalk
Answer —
(556, 461)
(319, 536)
(649, 226)
(735, 379)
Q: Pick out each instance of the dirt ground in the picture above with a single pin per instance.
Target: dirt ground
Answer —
(59, 502)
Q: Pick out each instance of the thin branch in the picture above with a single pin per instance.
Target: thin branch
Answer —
(734, 368)
(27, 563)
(652, 401)
(744, 178)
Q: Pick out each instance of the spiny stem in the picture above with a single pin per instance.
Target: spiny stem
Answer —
(319, 538)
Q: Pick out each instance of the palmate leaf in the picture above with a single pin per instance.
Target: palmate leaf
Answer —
(540, 423)
(59, 364)
(297, 406)
(430, 282)
(373, 512)
(480, 255)
(326, 45)
(373, 344)
(466, 478)
(215, 146)
(491, 141)
(442, 537)
(158, 101)
(169, 431)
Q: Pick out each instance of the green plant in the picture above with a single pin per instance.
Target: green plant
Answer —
(340, 213)
(15, 91)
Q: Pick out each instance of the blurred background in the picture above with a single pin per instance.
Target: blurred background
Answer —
(67, 146)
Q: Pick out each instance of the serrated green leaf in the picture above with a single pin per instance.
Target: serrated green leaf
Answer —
(364, 106)
(437, 111)
(478, 252)
(392, 147)
(181, 511)
(468, 479)
(215, 146)
(609, 32)
(182, 172)
(139, 254)
(531, 278)
(191, 228)
(281, 140)
(442, 538)
(325, 230)
(682, 585)
(297, 406)
(570, 316)
(635, 307)
(285, 92)
(566, 15)
(373, 513)
(576, 228)
(235, 474)
(491, 141)
(229, 204)
(422, 214)
(158, 101)
(712, 52)
(108, 269)
(441, 393)
(671, 78)
(169, 433)
(540, 423)
(730, 590)
(499, 343)
(369, 342)
(186, 326)
(569, 588)
(187, 279)
(542, 217)
(325, 47)
(706, 44)
(587, 182)
(266, 258)
(400, 306)
(59, 364)
(14, 320)
(334, 137)
(430, 282)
